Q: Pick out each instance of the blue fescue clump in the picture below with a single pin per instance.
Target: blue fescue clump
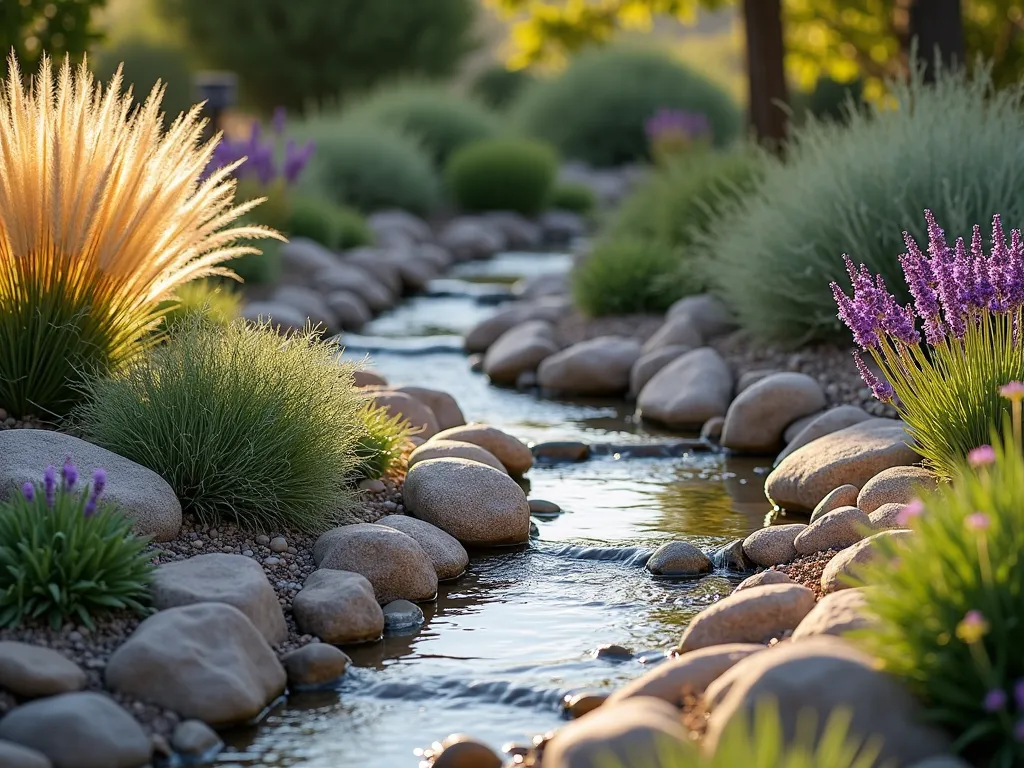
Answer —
(66, 555)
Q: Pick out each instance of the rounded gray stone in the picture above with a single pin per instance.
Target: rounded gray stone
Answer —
(835, 614)
(339, 607)
(31, 671)
(194, 738)
(16, 756)
(819, 425)
(837, 529)
(843, 496)
(446, 409)
(401, 614)
(752, 615)
(679, 558)
(454, 449)
(448, 556)
(760, 414)
(887, 517)
(649, 363)
(896, 485)
(846, 564)
(519, 350)
(763, 578)
(509, 450)
(688, 391)
(314, 665)
(599, 366)
(773, 545)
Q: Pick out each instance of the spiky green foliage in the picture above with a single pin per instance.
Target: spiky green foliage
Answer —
(67, 555)
(502, 175)
(441, 118)
(214, 300)
(952, 147)
(762, 743)
(595, 111)
(245, 425)
(578, 198)
(627, 277)
(368, 167)
(332, 225)
(949, 617)
(380, 444)
(498, 86)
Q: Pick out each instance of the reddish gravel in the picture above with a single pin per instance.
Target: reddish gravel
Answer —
(807, 569)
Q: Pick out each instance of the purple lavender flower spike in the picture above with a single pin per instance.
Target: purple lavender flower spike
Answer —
(69, 474)
(1015, 272)
(898, 322)
(99, 482)
(863, 325)
(28, 491)
(90, 505)
(937, 247)
(919, 279)
(881, 389)
(280, 120)
(50, 484)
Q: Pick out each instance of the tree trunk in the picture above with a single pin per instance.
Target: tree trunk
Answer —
(937, 26)
(765, 70)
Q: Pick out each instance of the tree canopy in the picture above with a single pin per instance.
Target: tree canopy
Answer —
(56, 27)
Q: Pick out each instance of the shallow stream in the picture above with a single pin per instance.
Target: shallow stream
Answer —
(506, 641)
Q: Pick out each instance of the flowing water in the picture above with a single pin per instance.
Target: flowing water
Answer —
(506, 641)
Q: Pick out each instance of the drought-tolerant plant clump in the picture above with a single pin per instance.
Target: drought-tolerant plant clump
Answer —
(95, 241)
(597, 109)
(245, 425)
(442, 119)
(380, 444)
(498, 86)
(214, 300)
(628, 277)
(502, 175)
(369, 167)
(578, 198)
(948, 619)
(334, 226)
(67, 555)
(969, 305)
(952, 147)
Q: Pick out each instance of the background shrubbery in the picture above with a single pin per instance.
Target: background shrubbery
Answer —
(334, 226)
(502, 175)
(578, 198)
(626, 277)
(953, 148)
(595, 111)
(145, 62)
(498, 86)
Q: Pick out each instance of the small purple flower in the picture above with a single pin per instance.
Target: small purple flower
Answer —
(69, 473)
(908, 512)
(90, 505)
(977, 521)
(50, 484)
(880, 388)
(981, 456)
(99, 482)
(672, 122)
(994, 700)
(28, 491)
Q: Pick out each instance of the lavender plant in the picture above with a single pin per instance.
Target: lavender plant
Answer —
(66, 555)
(266, 160)
(968, 305)
(673, 131)
(948, 620)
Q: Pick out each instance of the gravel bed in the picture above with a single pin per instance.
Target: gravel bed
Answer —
(807, 570)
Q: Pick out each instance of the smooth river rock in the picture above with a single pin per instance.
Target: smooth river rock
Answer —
(843, 496)
(393, 562)
(849, 456)
(674, 332)
(679, 558)
(445, 408)
(599, 366)
(763, 578)
(887, 517)
(489, 330)
(759, 415)
(707, 313)
(823, 674)
(649, 363)
(448, 556)
(339, 607)
(688, 391)
(835, 614)
(205, 661)
(349, 308)
(510, 451)
(16, 756)
(896, 485)
(837, 529)
(845, 565)
(753, 615)
(32, 671)
(832, 420)
(519, 350)
(454, 449)
(477, 505)
(401, 405)
(222, 578)
(314, 665)
(773, 545)
(78, 730)
(140, 493)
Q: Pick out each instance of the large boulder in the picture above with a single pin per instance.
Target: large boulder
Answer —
(446, 409)
(519, 350)
(510, 451)
(822, 675)
(690, 672)
(392, 561)
(821, 424)
(205, 661)
(752, 615)
(641, 731)
(649, 363)
(598, 366)
(411, 409)
(688, 391)
(896, 485)
(675, 332)
(339, 607)
(849, 456)
(31, 671)
(222, 578)
(310, 303)
(846, 564)
(706, 313)
(448, 556)
(78, 730)
(476, 504)
(454, 449)
(759, 415)
(140, 493)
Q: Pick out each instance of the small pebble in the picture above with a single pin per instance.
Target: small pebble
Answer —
(272, 561)
(263, 540)
(278, 544)
(613, 653)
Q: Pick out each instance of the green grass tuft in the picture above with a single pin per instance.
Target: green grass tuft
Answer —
(502, 175)
(215, 300)
(380, 445)
(245, 425)
(628, 277)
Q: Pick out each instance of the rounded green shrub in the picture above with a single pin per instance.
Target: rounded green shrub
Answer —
(146, 62)
(578, 198)
(246, 426)
(498, 86)
(67, 555)
(442, 119)
(628, 277)
(596, 110)
(952, 148)
(331, 225)
(502, 175)
(369, 167)
(380, 444)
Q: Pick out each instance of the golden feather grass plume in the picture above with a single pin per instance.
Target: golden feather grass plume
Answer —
(102, 215)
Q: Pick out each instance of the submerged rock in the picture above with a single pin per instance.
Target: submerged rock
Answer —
(401, 614)
(315, 664)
